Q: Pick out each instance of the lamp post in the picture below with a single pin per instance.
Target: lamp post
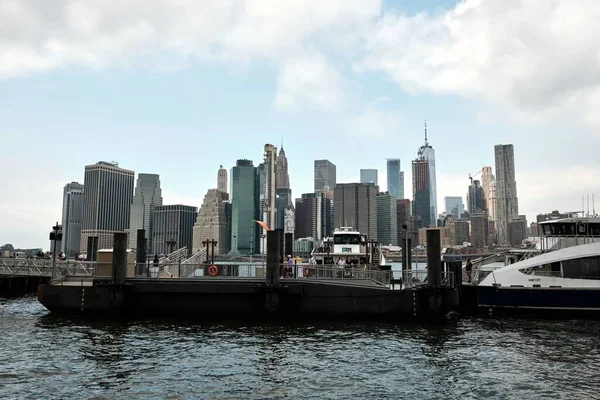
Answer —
(406, 249)
(54, 237)
(235, 242)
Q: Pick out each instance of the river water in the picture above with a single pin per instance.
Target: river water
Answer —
(48, 357)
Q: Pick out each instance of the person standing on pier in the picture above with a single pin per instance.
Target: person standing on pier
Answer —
(469, 270)
(290, 267)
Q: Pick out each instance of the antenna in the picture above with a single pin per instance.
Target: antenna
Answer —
(582, 206)
(588, 205)
(425, 132)
(593, 206)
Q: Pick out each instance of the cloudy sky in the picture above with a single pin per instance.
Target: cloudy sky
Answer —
(179, 87)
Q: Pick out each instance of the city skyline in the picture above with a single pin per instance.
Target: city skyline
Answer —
(182, 110)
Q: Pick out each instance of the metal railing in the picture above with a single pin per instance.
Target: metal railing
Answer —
(414, 278)
(176, 256)
(196, 258)
(54, 269)
(348, 274)
(357, 275)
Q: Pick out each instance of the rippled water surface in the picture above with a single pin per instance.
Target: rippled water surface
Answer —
(57, 358)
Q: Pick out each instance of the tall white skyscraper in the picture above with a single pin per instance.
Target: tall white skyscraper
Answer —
(489, 191)
(147, 196)
(427, 152)
(267, 185)
(507, 203)
(222, 180)
(72, 214)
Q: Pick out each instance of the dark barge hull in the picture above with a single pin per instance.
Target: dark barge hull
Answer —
(546, 302)
(223, 298)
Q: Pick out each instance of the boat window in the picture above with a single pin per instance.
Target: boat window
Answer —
(555, 269)
(594, 229)
(582, 268)
(560, 229)
(346, 239)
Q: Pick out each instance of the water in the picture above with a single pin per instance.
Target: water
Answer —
(42, 356)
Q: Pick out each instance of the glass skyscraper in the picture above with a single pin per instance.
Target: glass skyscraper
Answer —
(368, 176)
(395, 178)
(245, 232)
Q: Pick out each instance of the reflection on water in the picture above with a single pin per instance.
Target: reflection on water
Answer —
(43, 356)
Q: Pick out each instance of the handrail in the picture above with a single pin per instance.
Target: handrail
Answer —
(414, 278)
(54, 269)
(175, 256)
(348, 275)
(196, 258)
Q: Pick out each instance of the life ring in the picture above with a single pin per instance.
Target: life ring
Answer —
(305, 271)
(213, 270)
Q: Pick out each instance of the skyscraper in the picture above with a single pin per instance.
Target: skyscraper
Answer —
(313, 216)
(72, 214)
(325, 175)
(173, 228)
(368, 176)
(421, 198)
(147, 196)
(283, 201)
(245, 233)
(267, 185)
(106, 202)
(489, 191)
(283, 178)
(356, 207)
(403, 218)
(222, 180)
(475, 199)
(479, 231)
(426, 152)
(395, 178)
(387, 219)
(507, 203)
(454, 206)
(213, 222)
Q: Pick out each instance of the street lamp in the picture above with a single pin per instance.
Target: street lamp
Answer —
(406, 250)
(235, 242)
(54, 237)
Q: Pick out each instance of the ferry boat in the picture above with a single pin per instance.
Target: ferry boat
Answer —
(351, 246)
(563, 274)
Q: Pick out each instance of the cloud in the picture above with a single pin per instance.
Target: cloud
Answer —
(40, 36)
(374, 123)
(530, 57)
(308, 79)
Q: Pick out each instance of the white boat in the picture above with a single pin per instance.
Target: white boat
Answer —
(351, 246)
(565, 276)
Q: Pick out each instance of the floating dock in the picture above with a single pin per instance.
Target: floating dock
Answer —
(321, 291)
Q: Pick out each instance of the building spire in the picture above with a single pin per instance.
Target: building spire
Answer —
(426, 143)
(282, 143)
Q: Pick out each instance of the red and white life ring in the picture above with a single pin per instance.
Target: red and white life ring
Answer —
(213, 270)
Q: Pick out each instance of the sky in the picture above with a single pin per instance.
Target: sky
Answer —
(180, 87)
